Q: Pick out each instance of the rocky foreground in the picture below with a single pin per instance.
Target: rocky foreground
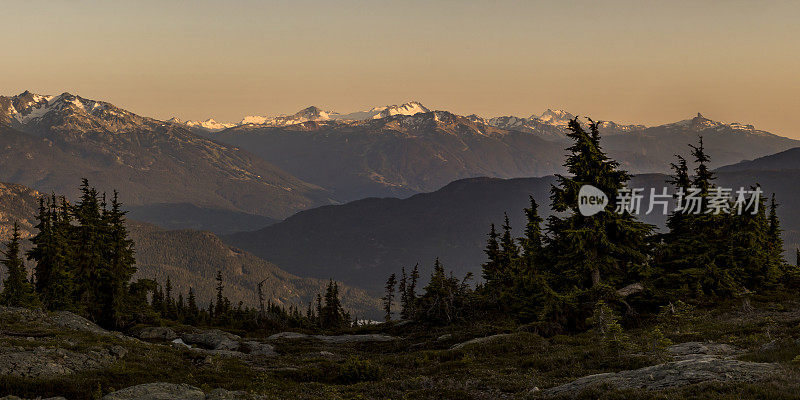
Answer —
(41, 353)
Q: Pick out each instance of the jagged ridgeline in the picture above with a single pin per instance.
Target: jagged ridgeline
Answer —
(573, 271)
(86, 257)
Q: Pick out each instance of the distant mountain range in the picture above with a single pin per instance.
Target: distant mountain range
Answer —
(192, 258)
(366, 240)
(50, 142)
(407, 149)
(309, 114)
(397, 155)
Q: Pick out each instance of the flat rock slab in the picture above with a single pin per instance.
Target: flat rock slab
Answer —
(696, 349)
(336, 339)
(702, 368)
(354, 338)
(53, 362)
(485, 339)
(172, 391)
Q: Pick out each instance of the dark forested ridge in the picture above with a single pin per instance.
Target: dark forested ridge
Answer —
(367, 239)
(189, 216)
(192, 258)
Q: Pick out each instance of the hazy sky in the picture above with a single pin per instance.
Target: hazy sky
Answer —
(628, 61)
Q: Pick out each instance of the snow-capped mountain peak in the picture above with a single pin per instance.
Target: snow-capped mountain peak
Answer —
(209, 124)
(409, 108)
(554, 117)
(68, 112)
(307, 114)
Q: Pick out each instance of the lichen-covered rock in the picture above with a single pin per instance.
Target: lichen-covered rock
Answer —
(258, 349)
(157, 391)
(354, 338)
(172, 391)
(53, 362)
(697, 349)
(155, 333)
(287, 335)
(336, 339)
(66, 319)
(484, 339)
(213, 339)
(702, 368)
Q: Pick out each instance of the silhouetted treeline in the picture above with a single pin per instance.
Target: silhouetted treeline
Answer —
(84, 262)
(556, 274)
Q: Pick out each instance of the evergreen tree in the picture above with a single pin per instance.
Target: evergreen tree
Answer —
(530, 280)
(403, 291)
(42, 250)
(192, 312)
(797, 257)
(319, 310)
(50, 253)
(531, 242)
(703, 175)
(17, 290)
(222, 307)
(119, 266)
(411, 291)
(389, 297)
(708, 254)
(332, 315)
(92, 283)
(777, 266)
(592, 256)
(492, 269)
(168, 309)
(445, 299)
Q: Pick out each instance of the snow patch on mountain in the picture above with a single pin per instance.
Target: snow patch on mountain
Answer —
(209, 125)
(305, 115)
(554, 117)
(408, 108)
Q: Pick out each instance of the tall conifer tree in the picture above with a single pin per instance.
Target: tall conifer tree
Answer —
(17, 290)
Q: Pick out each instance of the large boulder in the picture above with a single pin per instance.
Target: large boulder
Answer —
(57, 319)
(213, 339)
(68, 320)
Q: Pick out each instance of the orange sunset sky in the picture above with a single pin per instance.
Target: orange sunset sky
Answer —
(628, 61)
